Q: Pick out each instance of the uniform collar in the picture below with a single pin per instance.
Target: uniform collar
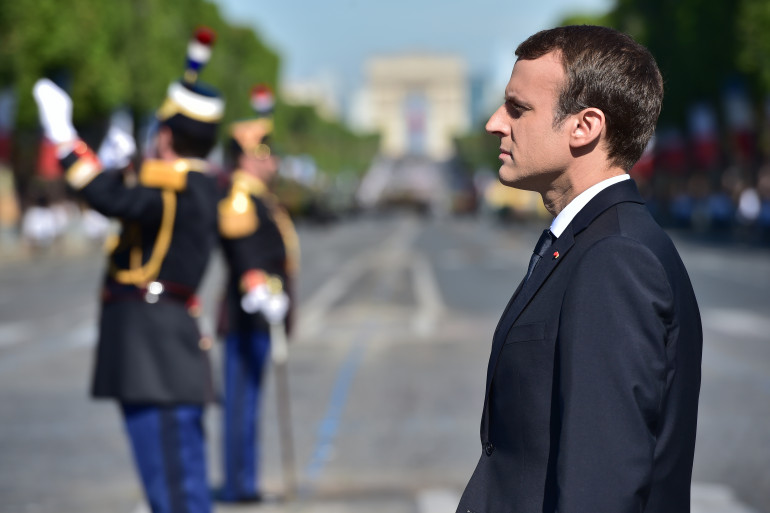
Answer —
(249, 182)
(185, 164)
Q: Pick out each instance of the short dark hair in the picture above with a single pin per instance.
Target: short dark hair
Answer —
(191, 138)
(608, 70)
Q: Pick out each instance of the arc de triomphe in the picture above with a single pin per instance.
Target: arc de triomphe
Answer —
(418, 102)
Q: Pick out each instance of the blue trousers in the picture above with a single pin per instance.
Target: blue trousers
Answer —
(245, 358)
(169, 450)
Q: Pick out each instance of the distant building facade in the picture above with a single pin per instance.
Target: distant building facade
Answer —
(418, 102)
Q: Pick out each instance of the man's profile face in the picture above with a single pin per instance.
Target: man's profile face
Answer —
(263, 167)
(533, 152)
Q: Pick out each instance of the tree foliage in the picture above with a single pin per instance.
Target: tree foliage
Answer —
(700, 45)
(753, 22)
(126, 52)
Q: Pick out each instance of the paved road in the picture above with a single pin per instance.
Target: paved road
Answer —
(387, 372)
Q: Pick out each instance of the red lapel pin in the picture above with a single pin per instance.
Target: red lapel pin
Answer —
(555, 255)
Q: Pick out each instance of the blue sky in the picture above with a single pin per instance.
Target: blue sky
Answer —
(333, 38)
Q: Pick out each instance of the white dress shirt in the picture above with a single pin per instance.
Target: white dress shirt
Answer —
(566, 216)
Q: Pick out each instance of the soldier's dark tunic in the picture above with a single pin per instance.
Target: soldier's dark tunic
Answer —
(262, 238)
(149, 347)
(257, 237)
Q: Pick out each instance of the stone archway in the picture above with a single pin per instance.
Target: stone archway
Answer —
(418, 102)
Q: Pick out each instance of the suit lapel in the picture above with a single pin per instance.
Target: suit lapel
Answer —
(526, 292)
(618, 193)
(507, 308)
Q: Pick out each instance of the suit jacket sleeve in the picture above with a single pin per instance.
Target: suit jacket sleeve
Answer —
(611, 363)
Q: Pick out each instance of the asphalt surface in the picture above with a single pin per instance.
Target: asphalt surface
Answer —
(386, 371)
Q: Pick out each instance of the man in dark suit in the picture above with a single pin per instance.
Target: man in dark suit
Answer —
(594, 375)
(150, 356)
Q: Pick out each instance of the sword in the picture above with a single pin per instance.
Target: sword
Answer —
(280, 354)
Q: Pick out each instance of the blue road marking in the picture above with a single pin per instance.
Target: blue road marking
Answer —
(329, 426)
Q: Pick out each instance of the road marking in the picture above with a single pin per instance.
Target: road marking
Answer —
(736, 322)
(437, 500)
(141, 508)
(430, 303)
(716, 498)
(11, 333)
(82, 334)
(33, 330)
(315, 310)
(706, 498)
(751, 273)
(329, 426)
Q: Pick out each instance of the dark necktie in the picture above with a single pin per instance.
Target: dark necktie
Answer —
(545, 241)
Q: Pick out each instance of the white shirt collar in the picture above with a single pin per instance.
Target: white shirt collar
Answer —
(566, 216)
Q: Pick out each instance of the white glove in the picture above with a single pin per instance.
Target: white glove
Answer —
(255, 298)
(55, 111)
(273, 305)
(118, 145)
(276, 308)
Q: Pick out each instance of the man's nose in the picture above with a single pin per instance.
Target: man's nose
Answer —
(494, 125)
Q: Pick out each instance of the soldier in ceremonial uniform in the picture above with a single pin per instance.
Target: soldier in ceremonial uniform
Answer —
(261, 246)
(150, 355)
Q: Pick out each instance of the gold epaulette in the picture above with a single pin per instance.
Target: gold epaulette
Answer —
(237, 214)
(161, 174)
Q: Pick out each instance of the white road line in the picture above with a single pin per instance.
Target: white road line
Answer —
(430, 303)
(11, 333)
(84, 335)
(716, 498)
(141, 508)
(752, 272)
(437, 500)
(314, 310)
(16, 332)
(735, 322)
(706, 498)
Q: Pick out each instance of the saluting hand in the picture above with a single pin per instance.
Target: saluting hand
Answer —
(55, 112)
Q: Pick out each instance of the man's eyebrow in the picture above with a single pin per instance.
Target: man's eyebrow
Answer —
(512, 98)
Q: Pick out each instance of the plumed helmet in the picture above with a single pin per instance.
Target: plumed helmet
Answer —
(190, 105)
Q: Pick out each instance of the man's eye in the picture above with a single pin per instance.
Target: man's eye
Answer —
(514, 110)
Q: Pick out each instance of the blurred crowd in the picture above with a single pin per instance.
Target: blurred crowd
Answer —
(711, 184)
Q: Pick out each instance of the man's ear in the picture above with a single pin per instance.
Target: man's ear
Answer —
(587, 126)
